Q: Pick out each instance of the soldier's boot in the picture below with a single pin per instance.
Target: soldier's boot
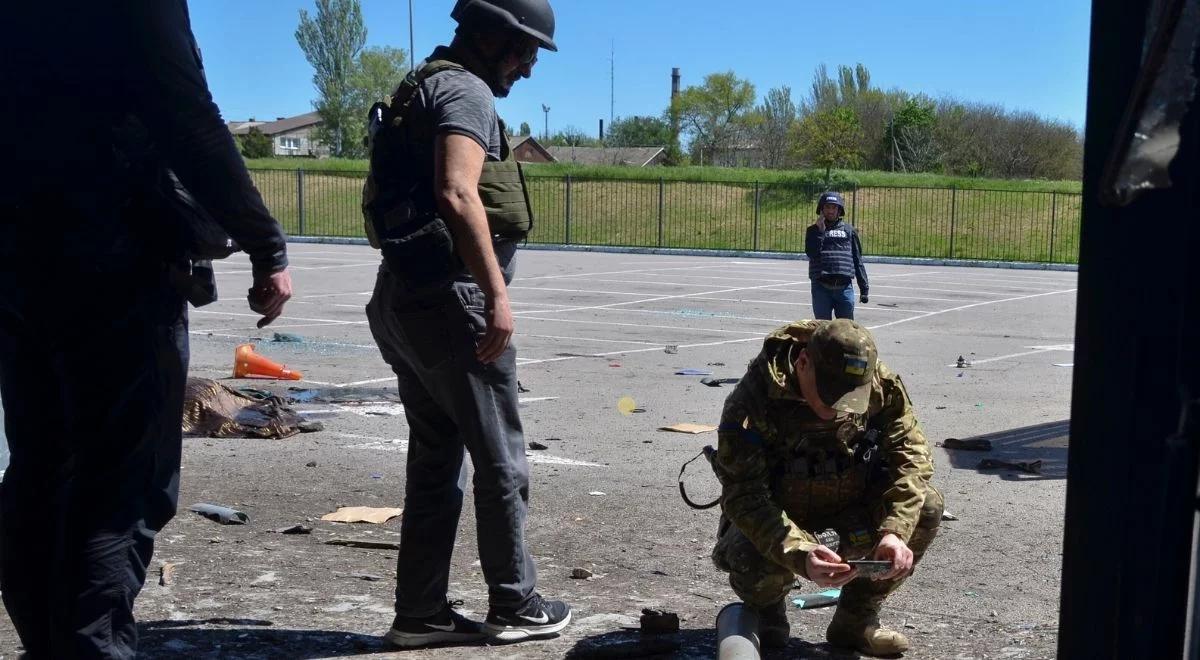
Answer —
(856, 625)
(864, 634)
(774, 631)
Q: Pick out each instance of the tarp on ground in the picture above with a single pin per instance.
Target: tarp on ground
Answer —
(214, 410)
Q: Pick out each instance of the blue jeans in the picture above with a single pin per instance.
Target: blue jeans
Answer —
(93, 394)
(826, 301)
(453, 402)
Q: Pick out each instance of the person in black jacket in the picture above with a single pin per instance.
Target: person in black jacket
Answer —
(102, 101)
(834, 259)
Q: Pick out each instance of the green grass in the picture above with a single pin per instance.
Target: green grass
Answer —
(841, 178)
(308, 164)
(1004, 225)
(992, 221)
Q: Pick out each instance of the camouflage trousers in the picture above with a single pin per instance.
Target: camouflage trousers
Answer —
(760, 582)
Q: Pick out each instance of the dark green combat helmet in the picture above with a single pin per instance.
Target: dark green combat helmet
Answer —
(533, 17)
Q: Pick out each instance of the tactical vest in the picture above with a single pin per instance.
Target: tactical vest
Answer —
(819, 468)
(400, 212)
(837, 254)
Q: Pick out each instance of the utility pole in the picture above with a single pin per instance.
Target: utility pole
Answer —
(546, 130)
(612, 81)
(412, 51)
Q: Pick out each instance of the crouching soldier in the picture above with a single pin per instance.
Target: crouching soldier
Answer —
(819, 435)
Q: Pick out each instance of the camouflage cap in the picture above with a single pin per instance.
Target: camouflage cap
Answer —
(845, 357)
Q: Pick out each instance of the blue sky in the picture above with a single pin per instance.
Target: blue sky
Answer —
(1022, 54)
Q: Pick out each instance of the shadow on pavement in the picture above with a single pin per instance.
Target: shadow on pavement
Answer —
(1041, 442)
(694, 644)
(247, 639)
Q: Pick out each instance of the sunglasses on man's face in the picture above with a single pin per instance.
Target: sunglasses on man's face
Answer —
(526, 55)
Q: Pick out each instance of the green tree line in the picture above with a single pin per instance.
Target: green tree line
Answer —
(845, 121)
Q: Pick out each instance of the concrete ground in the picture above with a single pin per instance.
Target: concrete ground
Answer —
(591, 329)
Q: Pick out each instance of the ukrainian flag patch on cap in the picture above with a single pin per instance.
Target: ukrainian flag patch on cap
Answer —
(855, 365)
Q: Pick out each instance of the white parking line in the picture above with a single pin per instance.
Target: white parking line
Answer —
(395, 409)
(860, 308)
(401, 445)
(1007, 276)
(1036, 350)
(610, 272)
(1026, 286)
(591, 339)
(675, 297)
(924, 288)
(339, 266)
(962, 307)
(334, 295)
(694, 314)
(759, 336)
(544, 288)
(247, 338)
(643, 325)
(290, 318)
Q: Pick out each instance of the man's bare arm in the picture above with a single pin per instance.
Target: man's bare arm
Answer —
(458, 163)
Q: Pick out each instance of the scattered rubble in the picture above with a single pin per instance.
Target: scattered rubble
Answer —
(221, 514)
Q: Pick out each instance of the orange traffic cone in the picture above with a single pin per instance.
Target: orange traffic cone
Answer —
(248, 364)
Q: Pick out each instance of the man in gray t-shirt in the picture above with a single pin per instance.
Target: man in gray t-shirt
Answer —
(460, 103)
(449, 341)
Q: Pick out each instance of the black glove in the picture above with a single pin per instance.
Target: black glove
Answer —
(863, 298)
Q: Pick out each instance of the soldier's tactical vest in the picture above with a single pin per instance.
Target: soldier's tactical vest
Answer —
(826, 482)
(399, 210)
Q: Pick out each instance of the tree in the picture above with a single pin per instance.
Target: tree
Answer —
(256, 145)
(525, 130)
(845, 90)
(829, 138)
(910, 136)
(776, 116)
(376, 75)
(714, 115)
(331, 41)
(572, 136)
(639, 131)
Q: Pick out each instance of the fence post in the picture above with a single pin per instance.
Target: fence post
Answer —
(1053, 218)
(300, 199)
(854, 205)
(953, 211)
(567, 236)
(757, 194)
(660, 211)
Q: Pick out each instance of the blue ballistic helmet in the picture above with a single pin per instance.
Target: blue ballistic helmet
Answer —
(832, 198)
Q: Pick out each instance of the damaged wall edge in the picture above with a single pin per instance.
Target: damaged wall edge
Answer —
(1130, 510)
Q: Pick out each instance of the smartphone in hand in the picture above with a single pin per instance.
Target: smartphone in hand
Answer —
(870, 567)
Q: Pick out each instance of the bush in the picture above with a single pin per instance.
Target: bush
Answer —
(256, 145)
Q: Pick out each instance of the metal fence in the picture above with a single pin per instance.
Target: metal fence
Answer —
(947, 223)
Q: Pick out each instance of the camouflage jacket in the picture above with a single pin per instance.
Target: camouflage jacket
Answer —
(766, 423)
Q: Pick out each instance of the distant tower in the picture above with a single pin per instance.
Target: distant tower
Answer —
(546, 130)
(673, 115)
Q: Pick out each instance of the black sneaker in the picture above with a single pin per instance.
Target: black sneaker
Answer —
(445, 627)
(535, 619)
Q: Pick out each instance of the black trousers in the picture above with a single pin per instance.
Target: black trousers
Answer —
(92, 379)
(453, 403)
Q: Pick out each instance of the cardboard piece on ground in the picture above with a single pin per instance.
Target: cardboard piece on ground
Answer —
(352, 514)
(688, 427)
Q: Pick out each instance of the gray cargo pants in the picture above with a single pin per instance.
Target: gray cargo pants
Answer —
(453, 402)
